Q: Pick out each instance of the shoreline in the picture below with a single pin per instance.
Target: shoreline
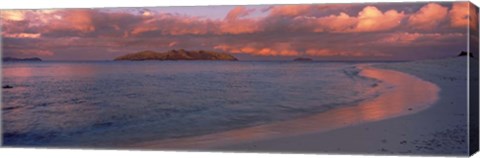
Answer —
(376, 109)
(438, 130)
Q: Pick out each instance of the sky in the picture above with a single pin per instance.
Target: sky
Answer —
(362, 31)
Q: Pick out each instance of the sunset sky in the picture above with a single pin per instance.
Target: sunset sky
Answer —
(374, 31)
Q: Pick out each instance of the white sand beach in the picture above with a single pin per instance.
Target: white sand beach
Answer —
(440, 129)
(423, 114)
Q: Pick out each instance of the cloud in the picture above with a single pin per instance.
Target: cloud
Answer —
(145, 26)
(284, 18)
(332, 23)
(295, 48)
(473, 17)
(290, 10)
(276, 49)
(323, 31)
(22, 35)
(235, 24)
(238, 12)
(35, 52)
(13, 15)
(171, 24)
(71, 20)
(459, 14)
(372, 19)
(146, 13)
(428, 17)
(406, 38)
(33, 23)
(337, 23)
(401, 38)
(331, 53)
(171, 44)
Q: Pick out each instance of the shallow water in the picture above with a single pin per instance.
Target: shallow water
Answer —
(402, 94)
(105, 104)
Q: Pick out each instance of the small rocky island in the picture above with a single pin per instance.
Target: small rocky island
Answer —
(8, 59)
(465, 53)
(302, 59)
(177, 55)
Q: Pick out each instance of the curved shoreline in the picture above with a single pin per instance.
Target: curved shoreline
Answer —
(410, 95)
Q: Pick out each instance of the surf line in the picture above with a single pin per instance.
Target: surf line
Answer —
(409, 95)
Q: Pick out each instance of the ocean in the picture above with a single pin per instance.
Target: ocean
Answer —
(107, 103)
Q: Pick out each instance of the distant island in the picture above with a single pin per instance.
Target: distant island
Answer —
(7, 59)
(177, 55)
(302, 59)
(465, 53)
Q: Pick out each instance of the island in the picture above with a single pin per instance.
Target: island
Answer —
(302, 59)
(177, 55)
(9, 59)
(465, 53)
(7, 86)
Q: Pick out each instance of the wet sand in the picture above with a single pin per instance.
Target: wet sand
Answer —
(404, 94)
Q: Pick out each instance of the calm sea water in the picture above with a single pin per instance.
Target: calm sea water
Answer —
(105, 104)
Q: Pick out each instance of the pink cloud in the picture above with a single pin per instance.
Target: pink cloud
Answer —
(144, 27)
(147, 13)
(332, 53)
(286, 49)
(237, 21)
(289, 10)
(277, 49)
(34, 52)
(22, 35)
(235, 24)
(51, 20)
(337, 23)
(13, 15)
(473, 17)
(239, 27)
(287, 30)
(171, 44)
(428, 17)
(459, 14)
(171, 24)
(238, 12)
(76, 19)
(401, 38)
(414, 38)
(371, 19)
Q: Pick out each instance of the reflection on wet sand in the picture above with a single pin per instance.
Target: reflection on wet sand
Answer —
(408, 95)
